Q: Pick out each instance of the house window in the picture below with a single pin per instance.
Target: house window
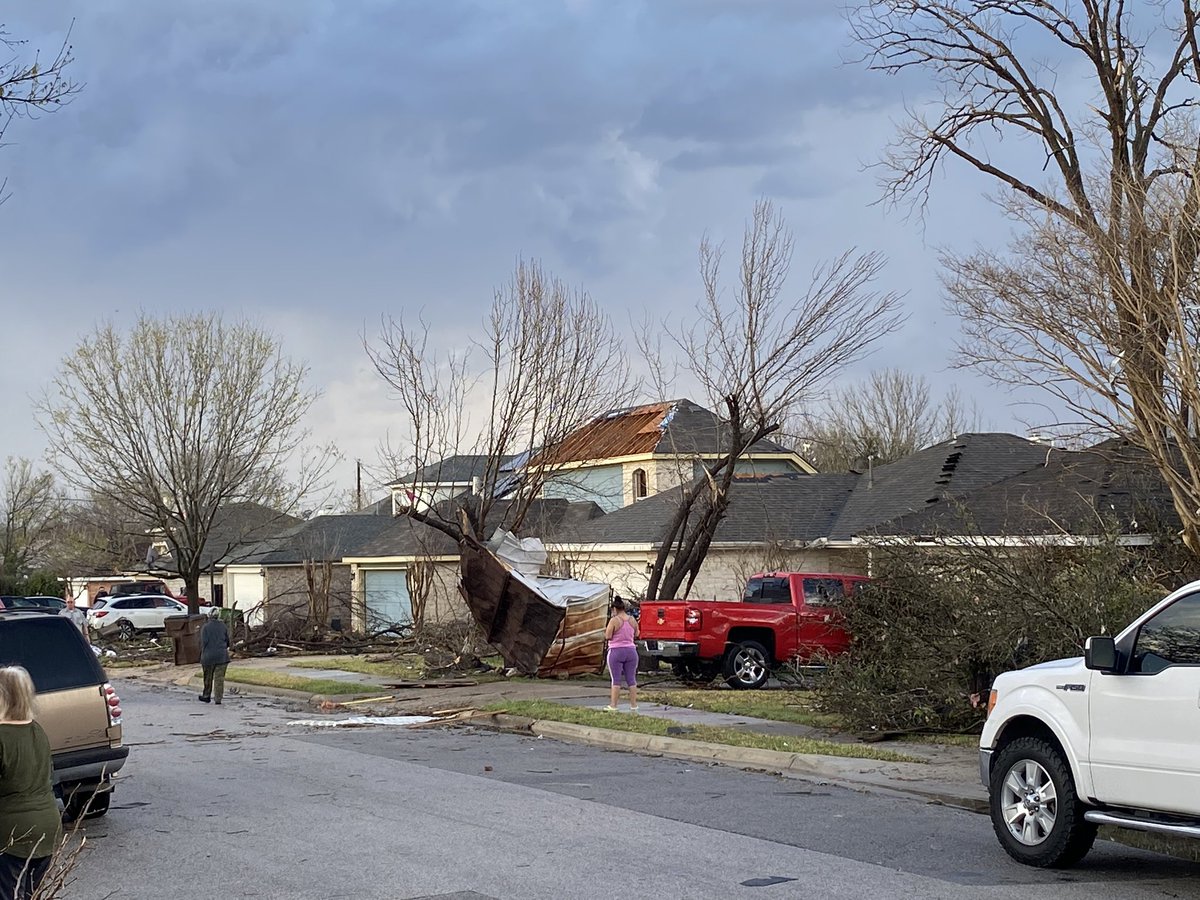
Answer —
(639, 484)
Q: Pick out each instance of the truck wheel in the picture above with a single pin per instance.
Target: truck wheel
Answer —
(747, 665)
(1036, 813)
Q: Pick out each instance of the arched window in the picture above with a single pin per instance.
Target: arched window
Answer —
(639, 484)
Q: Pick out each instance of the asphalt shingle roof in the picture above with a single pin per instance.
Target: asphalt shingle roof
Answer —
(1075, 492)
(770, 507)
(237, 530)
(952, 468)
(458, 469)
(323, 537)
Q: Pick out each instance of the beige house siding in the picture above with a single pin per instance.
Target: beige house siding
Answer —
(722, 577)
(287, 594)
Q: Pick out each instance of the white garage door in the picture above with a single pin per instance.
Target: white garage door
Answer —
(387, 599)
(244, 591)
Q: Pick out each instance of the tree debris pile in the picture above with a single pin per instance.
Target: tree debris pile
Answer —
(937, 626)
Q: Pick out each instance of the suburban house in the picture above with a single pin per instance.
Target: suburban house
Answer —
(616, 483)
(237, 530)
(273, 579)
(411, 569)
(630, 455)
(975, 484)
(439, 481)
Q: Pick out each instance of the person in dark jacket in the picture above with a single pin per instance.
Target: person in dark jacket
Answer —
(214, 658)
(30, 824)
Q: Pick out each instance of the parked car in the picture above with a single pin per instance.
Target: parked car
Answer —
(1108, 738)
(76, 705)
(37, 602)
(782, 617)
(128, 616)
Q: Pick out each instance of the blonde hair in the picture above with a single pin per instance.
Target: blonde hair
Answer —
(16, 694)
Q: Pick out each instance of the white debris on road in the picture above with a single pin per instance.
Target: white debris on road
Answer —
(363, 720)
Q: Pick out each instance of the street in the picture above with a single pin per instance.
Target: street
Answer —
(231, 801)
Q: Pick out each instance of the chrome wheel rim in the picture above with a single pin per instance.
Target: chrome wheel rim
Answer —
(749, 666)
(1029, 802)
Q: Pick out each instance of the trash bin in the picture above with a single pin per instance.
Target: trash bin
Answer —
(184, 632)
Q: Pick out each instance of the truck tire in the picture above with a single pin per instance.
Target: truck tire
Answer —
(1035, 809)
(747, 665)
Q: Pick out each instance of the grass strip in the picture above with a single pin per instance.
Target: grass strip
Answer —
(404, 667)
(642, 724)
(778, 706)
(266, 678)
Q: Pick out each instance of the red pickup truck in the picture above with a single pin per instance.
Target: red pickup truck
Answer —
(782, 617)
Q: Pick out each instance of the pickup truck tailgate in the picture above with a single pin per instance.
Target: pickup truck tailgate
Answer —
(663, 621)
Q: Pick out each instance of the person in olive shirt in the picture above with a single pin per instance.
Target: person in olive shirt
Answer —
(30, 823)
(214, 657)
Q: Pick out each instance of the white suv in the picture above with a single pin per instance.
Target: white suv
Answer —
(1112, 738)
(126, 616)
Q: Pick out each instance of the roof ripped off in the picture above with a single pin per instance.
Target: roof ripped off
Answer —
(622, 432)
(678, 427)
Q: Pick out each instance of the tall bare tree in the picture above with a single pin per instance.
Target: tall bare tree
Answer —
(1096, 299)
(548, 361)
(30, 511)
(758, 356)
(181, 418)
(886, 416)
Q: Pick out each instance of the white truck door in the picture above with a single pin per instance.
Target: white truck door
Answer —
(1145, 723)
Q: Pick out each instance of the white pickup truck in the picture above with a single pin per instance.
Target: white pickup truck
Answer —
(1112, 738)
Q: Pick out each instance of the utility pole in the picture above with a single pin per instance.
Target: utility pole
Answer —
(358, 484)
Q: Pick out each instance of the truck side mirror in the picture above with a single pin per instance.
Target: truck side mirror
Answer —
(1100, 653)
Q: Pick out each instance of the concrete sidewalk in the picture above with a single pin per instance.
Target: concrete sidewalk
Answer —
(949, 775)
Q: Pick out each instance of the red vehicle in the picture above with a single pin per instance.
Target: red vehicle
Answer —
(782, 617)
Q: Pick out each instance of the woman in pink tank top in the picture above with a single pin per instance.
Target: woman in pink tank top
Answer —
(620, 633)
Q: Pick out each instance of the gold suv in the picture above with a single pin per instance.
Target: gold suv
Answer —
(76, 705)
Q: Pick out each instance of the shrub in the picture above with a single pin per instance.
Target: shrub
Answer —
(937, 625)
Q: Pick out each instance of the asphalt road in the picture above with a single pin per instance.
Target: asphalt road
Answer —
(231, 801)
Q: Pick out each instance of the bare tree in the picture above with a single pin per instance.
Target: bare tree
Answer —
(29, 87)
(758, 356)
(30, 511)
(178, 419)
(550, 363)
(1096, 300)
(885, 417)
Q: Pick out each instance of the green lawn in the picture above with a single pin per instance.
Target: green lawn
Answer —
(407, 667)
(779, 706)
(267, 678)
(644, 724)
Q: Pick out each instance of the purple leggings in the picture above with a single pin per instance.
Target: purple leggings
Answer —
(622, 665)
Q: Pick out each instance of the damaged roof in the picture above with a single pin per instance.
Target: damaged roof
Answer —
(952, 468)
(676, 427)
(1076, 492)
(804, 508)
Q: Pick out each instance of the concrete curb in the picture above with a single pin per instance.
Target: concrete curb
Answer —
(901, 779)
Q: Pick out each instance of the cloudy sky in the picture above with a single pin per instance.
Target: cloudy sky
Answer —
(313, 164)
